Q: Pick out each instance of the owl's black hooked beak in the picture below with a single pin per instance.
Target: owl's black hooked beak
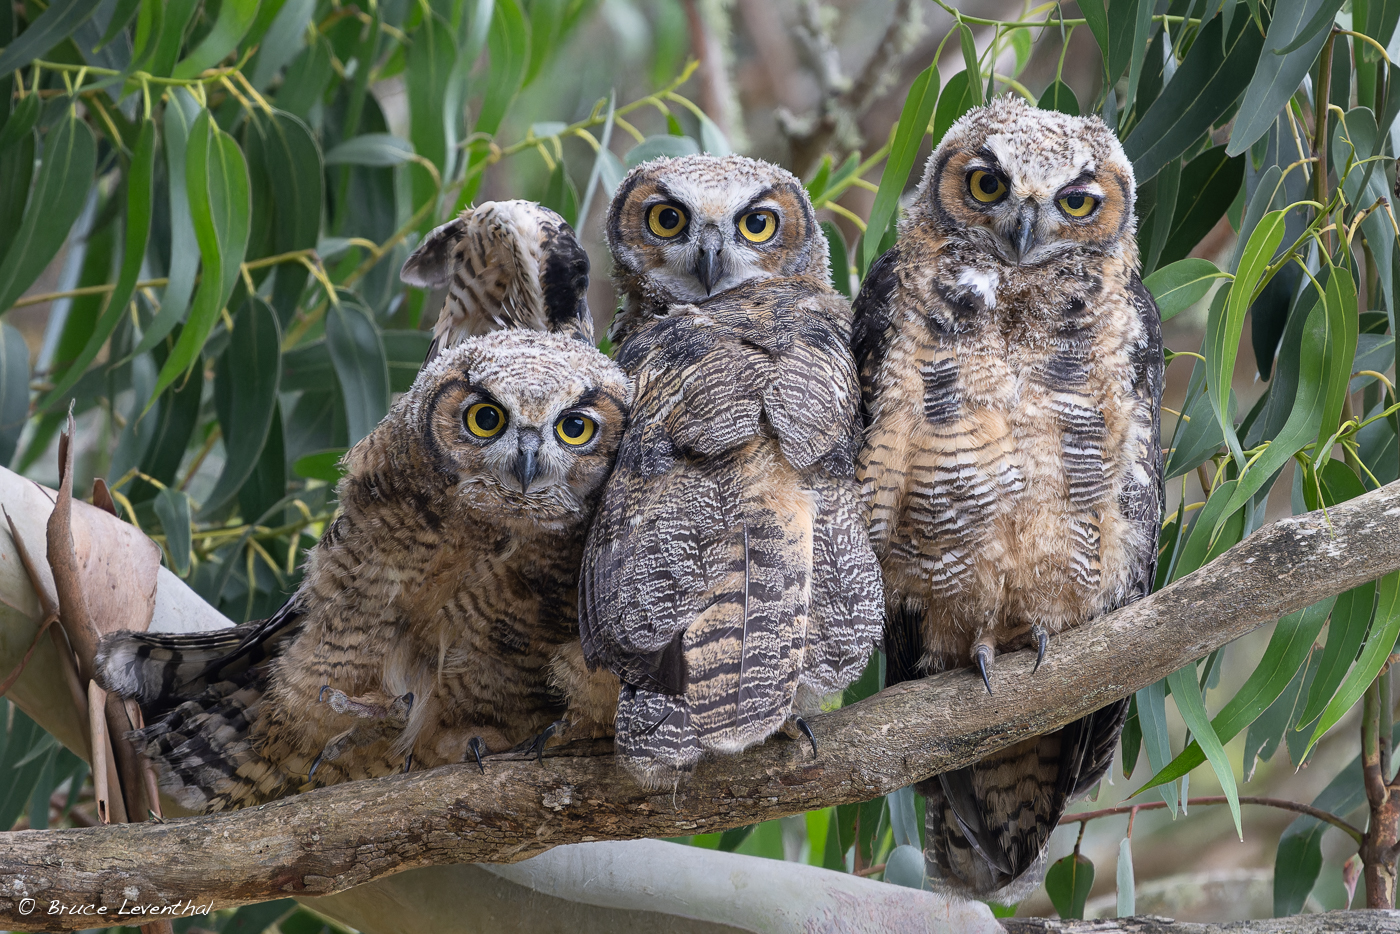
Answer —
(1024, 237)
(526, 466)
(709, 265)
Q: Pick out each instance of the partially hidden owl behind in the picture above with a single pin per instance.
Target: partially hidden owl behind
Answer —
(1011, 375)
(504, 264)
(728, 579)
(437, 620)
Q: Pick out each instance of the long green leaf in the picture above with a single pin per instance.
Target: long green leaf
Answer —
(180, 113)
(1226, 322)
(1187, 692)
(246, 381)
(908, 136)
(50, 28)
(1379, 644)
(284, 162)
(1286, 653)
(378, 150)
(1180, 285)
(1287, 55)
(1127, 887)
(1208, 185)
(1152, 717)
(1351, 617)
(431, 60)
(235, 16)
(172, 508)
(974, 71)
(1137, 52)
(221, 207)
(14, 390)
(16, 173)
(165, 49)
(1068, 882)
(1342, 326)
(70, 156)
(1304, 416)
(357, 352)
(140, 197)
(1205, 86)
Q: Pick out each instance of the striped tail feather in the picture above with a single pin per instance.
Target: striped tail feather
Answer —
(987, 825)
(656, 739)
(205, 757)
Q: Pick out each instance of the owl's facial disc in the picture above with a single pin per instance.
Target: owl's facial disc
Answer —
(1023, 219)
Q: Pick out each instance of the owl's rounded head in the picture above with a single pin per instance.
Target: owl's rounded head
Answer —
(682, 230)
(1027, 185)
(505, 264)
(521, 426)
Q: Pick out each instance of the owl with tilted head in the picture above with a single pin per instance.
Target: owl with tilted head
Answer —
(727, 579)
(437, 621)
(1011, 379)
(504, 264)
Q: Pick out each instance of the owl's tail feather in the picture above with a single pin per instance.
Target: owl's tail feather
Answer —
(205, 757)
(656, 738)
(987, 825)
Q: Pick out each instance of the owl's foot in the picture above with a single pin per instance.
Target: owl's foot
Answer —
(476, 747)
(983, 655)
(1042, 639)
(407, 763)
(395, 712)
(536, 746)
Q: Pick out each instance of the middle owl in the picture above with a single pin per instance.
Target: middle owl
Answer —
(728, 578)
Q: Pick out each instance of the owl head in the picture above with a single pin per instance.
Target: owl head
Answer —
(1027, 185)
(516, 429)
(683, 230)
(506, 264)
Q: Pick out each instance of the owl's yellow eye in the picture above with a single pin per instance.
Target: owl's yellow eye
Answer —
(758, 226)
(985, 186)
(485, 420)
(666, 220)
(575, 429)
(1078, 204)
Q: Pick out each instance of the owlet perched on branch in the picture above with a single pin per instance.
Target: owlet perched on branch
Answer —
(438, 617)
(1011, 373)
(728, 578)
(506, 264)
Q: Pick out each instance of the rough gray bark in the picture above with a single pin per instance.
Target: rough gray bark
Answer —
(1333, 922)
(331, 839)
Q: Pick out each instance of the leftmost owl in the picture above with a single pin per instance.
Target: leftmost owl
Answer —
(438, 614)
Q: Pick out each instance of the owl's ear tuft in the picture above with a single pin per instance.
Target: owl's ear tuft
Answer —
(430, 266)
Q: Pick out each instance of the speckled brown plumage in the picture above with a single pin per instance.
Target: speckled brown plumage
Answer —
(728, 579)
(439, 608)
(505, 264)
(1011, 369)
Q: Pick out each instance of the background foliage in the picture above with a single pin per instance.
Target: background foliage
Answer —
(204, 205)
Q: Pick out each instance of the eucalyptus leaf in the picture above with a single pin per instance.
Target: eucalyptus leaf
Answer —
(357, 353)
(172, 507)
(908, 137)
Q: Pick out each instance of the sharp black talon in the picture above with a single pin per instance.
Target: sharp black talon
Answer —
(983, 655)
(408, 700)
(537, 747)
(407, 763)
(315, 764)
(807, 732)
(474, 746)
(322, 695)
(1042, 639)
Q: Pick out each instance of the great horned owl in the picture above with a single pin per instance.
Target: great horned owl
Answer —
(505, 264)
(1011, 374)
(433, 608)
(728, 578)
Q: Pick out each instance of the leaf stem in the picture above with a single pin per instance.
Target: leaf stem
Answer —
(1280, 803)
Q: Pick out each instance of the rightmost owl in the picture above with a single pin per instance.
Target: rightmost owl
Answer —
(1011, 379)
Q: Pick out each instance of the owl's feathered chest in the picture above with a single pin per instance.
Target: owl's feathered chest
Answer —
(1007, 430)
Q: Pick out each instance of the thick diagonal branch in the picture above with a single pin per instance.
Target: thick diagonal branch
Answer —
(334, 838)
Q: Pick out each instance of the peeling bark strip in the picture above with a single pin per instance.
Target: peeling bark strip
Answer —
(1332, 922)
(334, 838)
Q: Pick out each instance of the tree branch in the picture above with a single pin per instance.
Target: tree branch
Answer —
(1331, 922)
(333, 838)
(1280, 803)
